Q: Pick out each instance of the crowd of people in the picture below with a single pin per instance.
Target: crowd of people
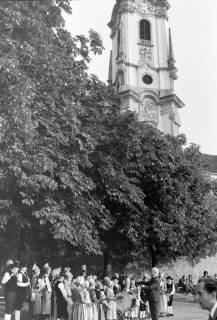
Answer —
(188, 285)
(57, 294)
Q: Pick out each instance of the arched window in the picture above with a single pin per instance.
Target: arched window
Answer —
(145, 30)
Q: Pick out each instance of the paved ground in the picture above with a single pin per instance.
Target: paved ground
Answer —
(184, 309)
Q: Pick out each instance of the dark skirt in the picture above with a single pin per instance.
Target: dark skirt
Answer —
(142, 306)
(10, 301)
(62, 311)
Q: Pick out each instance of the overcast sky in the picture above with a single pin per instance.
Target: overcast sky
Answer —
(194, 30)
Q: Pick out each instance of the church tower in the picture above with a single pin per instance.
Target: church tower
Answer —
(142, 64)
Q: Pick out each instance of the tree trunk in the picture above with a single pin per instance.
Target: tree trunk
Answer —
(107, 268)
(153, 256)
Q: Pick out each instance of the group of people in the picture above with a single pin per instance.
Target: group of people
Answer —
(57, 295)
(188, 285)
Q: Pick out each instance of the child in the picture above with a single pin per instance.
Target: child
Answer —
(170, 290)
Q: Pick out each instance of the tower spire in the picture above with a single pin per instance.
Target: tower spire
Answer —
(171, 60)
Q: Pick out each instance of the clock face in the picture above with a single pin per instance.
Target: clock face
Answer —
(144, 6)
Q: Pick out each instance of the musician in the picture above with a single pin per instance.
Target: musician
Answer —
(23, 282)
(116, 287)
(153, 293)
(170, 292)
(10, 282)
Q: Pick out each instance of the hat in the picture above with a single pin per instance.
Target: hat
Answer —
(115, 277)
(23, 265)
(16, 264)
(169, 278)
(62, 274)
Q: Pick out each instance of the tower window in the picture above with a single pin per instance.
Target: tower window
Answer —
(145, 30)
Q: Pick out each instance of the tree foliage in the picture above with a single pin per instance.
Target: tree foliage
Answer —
(43, 75)
(76, 172)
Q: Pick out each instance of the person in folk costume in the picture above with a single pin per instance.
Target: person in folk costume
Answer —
(93, 298)
(127, 283)
(10, 282)
(54, 278)
(144, 304)
(6, 268)
(35, 299)
(23, 282)
(163, 296)
(134, 314)
(102, 304)
(116, 287)
(88, 303)
(170, 292)
(111, 313)
(46, 292)
(143, 299)
(68, 284)
(78, 306)
(61, 298)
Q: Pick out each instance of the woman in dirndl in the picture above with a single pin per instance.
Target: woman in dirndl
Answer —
(35, 298)
(61, 298)
(78, 300)
(101, 301)
(111, 313)
(46, 293)
(94, 300)
(163, 297)
(68, 283)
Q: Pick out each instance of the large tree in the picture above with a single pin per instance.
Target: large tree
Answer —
(77, 172)
(43, 74)
(154, 188)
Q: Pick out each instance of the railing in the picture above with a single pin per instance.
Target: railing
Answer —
(145, 42)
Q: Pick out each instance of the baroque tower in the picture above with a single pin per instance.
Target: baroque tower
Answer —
(142, 64)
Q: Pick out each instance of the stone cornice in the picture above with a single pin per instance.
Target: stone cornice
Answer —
(129, 92)
(174, 98)
(160, 10)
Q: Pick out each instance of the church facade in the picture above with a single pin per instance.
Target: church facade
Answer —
(142, 64)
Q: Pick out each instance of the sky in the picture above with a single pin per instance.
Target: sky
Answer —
(194, 27)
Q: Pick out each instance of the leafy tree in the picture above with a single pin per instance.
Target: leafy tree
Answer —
(76, 172)
(176, 221)
(43, 74)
